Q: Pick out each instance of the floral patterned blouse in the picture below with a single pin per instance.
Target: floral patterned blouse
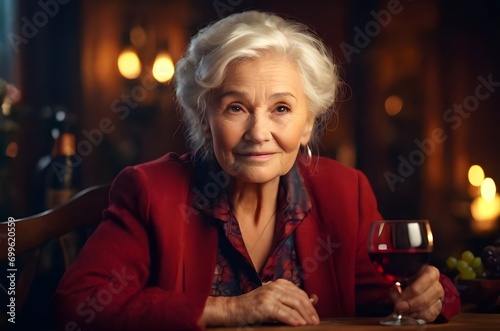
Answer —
(234, 272)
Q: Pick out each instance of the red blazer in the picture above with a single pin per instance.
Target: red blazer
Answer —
(150, 263)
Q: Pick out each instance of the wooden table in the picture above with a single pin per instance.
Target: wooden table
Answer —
(464, 321)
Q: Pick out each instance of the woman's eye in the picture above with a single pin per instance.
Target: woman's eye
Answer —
(282, 109)
(234, 108)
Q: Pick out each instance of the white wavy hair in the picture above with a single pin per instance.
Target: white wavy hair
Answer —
(250, 35)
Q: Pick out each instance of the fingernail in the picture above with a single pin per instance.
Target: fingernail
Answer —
(314, 319)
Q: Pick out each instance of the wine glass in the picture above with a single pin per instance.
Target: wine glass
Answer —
(399, 249)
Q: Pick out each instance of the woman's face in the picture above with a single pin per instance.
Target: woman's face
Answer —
(259, 118)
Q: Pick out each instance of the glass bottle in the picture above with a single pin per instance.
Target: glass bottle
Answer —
(63, 173)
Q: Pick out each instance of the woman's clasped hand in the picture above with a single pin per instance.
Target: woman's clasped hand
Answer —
(279, 301)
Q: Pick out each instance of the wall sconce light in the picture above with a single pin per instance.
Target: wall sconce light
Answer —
(485, 207)
(129, 61)
(163, 67)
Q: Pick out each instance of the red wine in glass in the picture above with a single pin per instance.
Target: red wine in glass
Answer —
(399, 249)
(399, 265)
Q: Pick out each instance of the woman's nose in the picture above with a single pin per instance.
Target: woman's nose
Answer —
(258, 129)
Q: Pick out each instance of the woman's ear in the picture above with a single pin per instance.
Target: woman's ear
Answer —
(306, 135)
(207, 132)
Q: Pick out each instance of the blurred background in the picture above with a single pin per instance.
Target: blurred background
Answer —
(419, 104)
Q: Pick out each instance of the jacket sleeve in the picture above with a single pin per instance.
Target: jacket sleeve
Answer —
(108, 284)
(371, 287)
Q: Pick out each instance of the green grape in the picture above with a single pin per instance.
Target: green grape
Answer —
(480, 272)
(476, 262)
(451, 262)
(467, 256)
(462, 265)
(468, 274)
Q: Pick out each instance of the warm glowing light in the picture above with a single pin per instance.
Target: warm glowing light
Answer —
(6, 109)
(484, 210)
(476, 175)
(12, 150)
(163, 68)
(129, 64)
(393, 105)
(488, 189)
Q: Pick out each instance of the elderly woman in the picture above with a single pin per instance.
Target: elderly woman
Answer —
(249, 227)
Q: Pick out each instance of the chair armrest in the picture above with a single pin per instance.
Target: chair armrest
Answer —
(84, 208)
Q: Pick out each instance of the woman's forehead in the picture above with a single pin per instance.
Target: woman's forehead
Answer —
(280, 75)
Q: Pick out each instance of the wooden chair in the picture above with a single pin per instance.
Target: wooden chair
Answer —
(83, 209)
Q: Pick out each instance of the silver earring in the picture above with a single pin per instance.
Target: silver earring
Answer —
(309, 152)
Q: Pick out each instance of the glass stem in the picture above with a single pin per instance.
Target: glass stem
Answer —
(400, 289)
(398, 286)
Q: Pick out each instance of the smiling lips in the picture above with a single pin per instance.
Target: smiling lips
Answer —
(256, 156)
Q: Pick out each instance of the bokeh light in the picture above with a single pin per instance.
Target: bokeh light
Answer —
(393, 105)
(483, 210)
(138, 36)
(12, 149)
(475, 175)
(129, 64)
(488, 189)
(163, 68)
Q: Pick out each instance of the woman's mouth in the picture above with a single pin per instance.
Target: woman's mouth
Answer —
(256, 156)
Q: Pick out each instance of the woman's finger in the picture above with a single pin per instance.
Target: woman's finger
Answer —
(423, 293)
(290, 295)
(424, 280)
(276, 301)
(287, 315)
(421, 301)
(431, 313)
